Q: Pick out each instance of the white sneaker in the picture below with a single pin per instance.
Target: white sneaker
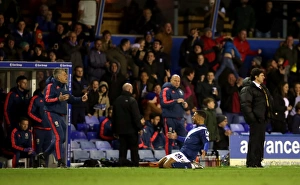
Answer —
(196, 165)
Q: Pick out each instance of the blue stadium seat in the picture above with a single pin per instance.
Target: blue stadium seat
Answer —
(87, 145)
(246, 126)
(146, 156)
(77, 136)
(103, 145)
(101, 118)
(97, 154)
(237, 128)
(73, 127)
(92, 136)
(94, 128)
(111, 154)
(75, 145)
(91, 120)
(241, 119)
(158, 154)
(80, 155)
(83, 127)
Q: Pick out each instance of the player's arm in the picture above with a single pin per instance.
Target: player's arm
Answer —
(13, 141)
(50, 94)
(32, 109)
(7, 107)
(173, 135)
(166, 100)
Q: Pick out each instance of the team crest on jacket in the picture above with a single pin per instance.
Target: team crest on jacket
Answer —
(17, 95)
(57, 87)
(56, 124)
(41, 101)
(37, 141)
(26, 136)
(173, 92)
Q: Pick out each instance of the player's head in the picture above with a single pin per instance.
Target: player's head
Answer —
(60, 75)
(155, 119)
(175, 81)
(24, 122)
(199, 117)
(22, 82)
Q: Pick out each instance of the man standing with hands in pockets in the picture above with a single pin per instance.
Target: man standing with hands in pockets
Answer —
(173, 108)
(57, 96)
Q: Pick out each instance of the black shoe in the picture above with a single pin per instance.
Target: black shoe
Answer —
(41, 155)
(61, 164)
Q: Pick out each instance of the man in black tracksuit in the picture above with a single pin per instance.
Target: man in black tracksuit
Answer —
(257, 109)
(127, 125)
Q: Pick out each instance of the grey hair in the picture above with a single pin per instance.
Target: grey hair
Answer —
(57, 72)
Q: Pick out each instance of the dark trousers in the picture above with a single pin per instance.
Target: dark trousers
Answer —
(256, 144)
(171, 125)
(129, 141)
(42, 140)
(20, 154)
(78, 115)
(58, 127)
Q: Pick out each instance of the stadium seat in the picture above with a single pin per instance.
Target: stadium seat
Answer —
(80, 155)
(146, 156)
(241, 119)
(111, 154)
(77, 136)
(73, 127)
(75, 145)
(101, 118)
(97, 154)
(246, 126)
(94, 128)
(103, 145)
(92, 136)
(87, 145)
(91, 120)
(275, 133)
(158, 154)
(237, 128)
(83, 127)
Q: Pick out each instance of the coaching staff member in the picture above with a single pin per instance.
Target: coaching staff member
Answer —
(57, 96)
(256, 107)
(127, 125)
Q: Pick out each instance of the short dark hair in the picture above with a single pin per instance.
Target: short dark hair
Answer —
(42, 85)
(23, 119)
(21, 77)
(157, 40)
(153, 115)
(105, 32)
(188, 71)
(77, 67)
(201, 113)
(124, 41)
(255, 72)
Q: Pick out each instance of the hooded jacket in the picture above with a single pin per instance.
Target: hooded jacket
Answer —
(103, 99)
(168, 101)
(254, 104)
(52, 92)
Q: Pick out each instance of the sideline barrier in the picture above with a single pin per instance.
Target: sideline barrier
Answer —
(278, 150)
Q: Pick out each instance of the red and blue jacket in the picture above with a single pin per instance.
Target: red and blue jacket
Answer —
(15, 106)
(105, 131)
(168, 101)
(36, 111)
(21, 139)
(152, 137)
(51, 99)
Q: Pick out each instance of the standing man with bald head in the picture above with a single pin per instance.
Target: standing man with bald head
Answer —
(127, 124)
(173, 107)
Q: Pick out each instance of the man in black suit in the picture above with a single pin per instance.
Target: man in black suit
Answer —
(127, 124)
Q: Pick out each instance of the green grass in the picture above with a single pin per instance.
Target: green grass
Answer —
(283, 175)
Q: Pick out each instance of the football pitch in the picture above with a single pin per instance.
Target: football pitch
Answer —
(281, 175)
